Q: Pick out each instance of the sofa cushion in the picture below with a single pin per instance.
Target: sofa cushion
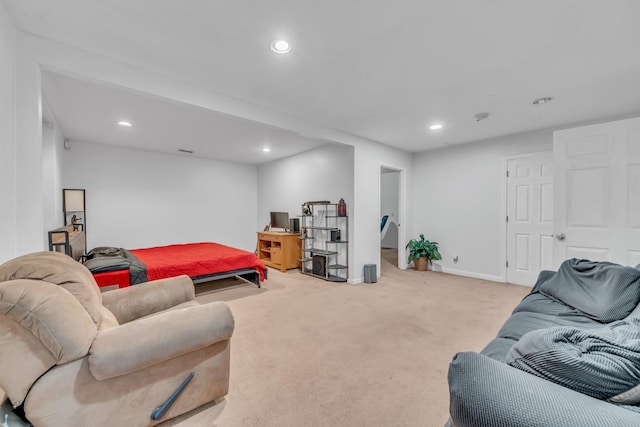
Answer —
(603, 363)
(602, 291)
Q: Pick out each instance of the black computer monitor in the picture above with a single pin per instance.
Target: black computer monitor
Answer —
(280, 220)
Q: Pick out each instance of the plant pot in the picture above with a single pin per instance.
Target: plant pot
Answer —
(421, 263)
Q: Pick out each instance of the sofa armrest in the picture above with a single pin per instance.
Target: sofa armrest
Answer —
(485, 392)
(145, 342)
(141, 300)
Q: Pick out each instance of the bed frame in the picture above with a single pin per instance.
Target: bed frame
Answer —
(250, 274)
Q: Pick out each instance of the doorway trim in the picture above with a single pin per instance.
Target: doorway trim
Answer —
(402, 216)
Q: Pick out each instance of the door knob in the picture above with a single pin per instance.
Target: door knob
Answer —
(560, 236)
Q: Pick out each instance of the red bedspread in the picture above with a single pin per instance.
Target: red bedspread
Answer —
(110, 278)
(195, 259)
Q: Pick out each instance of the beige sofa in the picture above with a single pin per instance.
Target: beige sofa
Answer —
(72, 356)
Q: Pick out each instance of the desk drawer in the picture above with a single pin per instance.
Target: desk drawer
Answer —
(270, 237)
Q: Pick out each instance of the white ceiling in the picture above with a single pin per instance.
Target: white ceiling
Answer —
(377, 69)
(90, 112)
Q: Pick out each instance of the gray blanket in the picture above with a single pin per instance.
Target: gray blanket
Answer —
(601, 363)
(603, 291)
(109, 258)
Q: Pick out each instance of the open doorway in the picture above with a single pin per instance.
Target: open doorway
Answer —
(391, 214)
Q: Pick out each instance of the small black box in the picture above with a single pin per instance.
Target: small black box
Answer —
(320, 265)
(294, 225)
(335, 235)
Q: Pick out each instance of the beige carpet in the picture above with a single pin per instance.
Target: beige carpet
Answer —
(306, 352)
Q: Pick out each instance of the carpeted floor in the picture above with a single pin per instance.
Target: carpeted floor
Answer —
(306, 352)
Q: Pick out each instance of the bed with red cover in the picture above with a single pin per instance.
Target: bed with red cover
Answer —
(204, 261)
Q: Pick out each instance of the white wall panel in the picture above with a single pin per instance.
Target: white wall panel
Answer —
(546, 252)
(139, 199)
(633, 214)
(588, 206)
(633, 141)
(325, 173)
(633, 258)
(523, 172)
(546, 203)
(523, 243)
(523, 203)
(588, 146)
(8, 141)
(599, 254)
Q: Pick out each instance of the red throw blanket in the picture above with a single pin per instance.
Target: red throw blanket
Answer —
(196, 259)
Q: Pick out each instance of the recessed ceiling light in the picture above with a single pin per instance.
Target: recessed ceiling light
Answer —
(125, 123)
(280, 46)
(435, 126)
(266, 150)
(543, 100)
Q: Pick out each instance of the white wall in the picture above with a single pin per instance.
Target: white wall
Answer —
(52, 147)
(369, 157)
(138, 199)
(8, 227)
(458, 198)
(328, 173)
(30, 205)
(325, 173)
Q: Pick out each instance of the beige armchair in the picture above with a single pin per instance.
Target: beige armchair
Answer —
(72, 356)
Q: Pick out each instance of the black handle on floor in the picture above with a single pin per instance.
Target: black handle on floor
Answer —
(159, 412)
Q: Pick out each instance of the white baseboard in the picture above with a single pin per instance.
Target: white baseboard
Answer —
(474, 275)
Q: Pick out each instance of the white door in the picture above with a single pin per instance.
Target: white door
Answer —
(529, 217)
(597, 197)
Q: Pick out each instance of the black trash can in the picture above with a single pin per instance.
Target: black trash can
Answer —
(370, 273)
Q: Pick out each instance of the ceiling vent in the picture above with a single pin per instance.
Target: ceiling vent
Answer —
(481, 116)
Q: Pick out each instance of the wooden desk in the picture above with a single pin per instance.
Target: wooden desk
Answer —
(279, 250)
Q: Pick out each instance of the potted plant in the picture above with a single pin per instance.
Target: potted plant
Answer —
(422, 252)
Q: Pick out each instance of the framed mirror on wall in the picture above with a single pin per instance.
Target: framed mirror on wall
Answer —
(74, 208)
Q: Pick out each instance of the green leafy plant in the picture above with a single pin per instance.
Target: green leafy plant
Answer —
(423, 248)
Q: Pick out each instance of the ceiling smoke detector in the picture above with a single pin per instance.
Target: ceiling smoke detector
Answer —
(481, 116)
(543, 100)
